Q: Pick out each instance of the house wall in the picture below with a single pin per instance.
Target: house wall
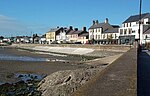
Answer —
(110, 36)
(132, 28)
(83, 39)
(146, 38)
(50, 37)
(74, 38)
(95, 33)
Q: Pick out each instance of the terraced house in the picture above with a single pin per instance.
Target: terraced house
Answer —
(129, 32)
(78, 36)
(51, 35)
(103, 33)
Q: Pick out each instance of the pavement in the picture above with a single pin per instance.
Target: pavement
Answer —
(143, 82)
(118, 79)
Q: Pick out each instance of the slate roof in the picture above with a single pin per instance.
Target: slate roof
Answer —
(114, 30)
(147, 31)
(53, 29)
(84, 34)
(115, 26)
(97, 26)
(77, 32)
(70, 32)
(107, 28)
(135, 18)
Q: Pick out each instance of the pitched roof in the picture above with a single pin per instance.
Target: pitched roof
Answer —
(53, 29)
(70, 32)
(113, 30)
(147, 31)
(135, 18)
(77, 32)
(99, 25)
(104, 25)
(84, 34)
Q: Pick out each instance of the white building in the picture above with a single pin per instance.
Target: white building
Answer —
(61, 37)
(146, 36)
(129, 32)
(103, 33)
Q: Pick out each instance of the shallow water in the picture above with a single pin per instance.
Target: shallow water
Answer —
(27, 77)
(21, 58)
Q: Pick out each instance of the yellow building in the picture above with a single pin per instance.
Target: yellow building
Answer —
(51, 35)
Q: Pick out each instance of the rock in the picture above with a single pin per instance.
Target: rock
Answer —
(64, 83)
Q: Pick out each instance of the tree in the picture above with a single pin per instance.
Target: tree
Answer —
(1, 37)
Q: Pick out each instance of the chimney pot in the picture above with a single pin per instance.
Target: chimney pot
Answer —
(71, 28)
(96, 22)
(106, 21)
(76, 29)
(93, 22)
(84, 29)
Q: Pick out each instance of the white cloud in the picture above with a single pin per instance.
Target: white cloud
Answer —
(11, 27)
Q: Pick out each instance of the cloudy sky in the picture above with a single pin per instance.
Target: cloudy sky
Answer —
(25, 17)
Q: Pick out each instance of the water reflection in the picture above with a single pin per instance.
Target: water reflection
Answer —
(21, 58)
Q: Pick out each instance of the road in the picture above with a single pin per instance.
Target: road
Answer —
(143, 82)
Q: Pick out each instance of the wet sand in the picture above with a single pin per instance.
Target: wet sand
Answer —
(9, 68)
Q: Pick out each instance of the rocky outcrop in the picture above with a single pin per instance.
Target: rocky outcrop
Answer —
(64, 83)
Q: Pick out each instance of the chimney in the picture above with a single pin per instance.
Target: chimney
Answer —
(93, 22)
(71, 28)
(84, 29)
(76, 29)
(96, 22)
(106, 21)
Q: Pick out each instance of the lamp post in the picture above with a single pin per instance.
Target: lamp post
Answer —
(140, 12)
(139, 42)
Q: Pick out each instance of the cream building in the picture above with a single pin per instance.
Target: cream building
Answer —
(51, 35)
(103, 33)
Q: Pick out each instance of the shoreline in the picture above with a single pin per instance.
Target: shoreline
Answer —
(50, 68)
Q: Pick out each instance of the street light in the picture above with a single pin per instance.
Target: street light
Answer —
(139, 43)
(140, 12)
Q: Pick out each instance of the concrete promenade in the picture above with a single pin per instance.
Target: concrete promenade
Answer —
(144, 74)
(119, 79)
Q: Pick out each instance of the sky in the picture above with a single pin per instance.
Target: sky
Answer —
(27, 17)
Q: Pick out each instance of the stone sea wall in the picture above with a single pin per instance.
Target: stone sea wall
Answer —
(114, 48)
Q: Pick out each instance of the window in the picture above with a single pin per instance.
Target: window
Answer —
(121, 31)
(96, 30)
(125, 31)
(124, 25)
(115, 36)
(130, 30)
(147, 22)
(133, 31)
(130, 24)
(104, 36)
(98, 36)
